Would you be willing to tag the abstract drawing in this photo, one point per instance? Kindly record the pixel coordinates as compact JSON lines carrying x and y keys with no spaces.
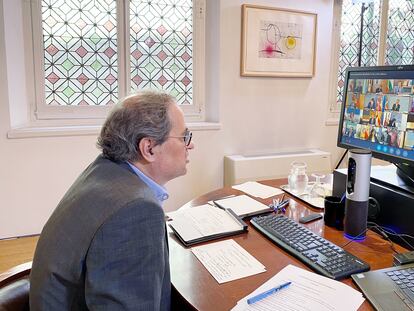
{"x":280,"y":40}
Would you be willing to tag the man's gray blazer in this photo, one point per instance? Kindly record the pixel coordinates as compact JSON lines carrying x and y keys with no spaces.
{"x":104,"y":247}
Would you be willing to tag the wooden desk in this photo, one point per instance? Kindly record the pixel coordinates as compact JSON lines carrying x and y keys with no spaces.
{"x":202,"y":292}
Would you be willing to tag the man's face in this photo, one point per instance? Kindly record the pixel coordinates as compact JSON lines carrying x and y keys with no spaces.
{"x":172,"y":155}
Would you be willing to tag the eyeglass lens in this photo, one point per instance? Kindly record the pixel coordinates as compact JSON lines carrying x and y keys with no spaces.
{"x":187,"y":138}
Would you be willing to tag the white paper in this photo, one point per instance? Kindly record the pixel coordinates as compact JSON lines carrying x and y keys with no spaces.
{"x":204,"y":220}
{"x":308,"y":292}
{"x":243,"y":205}
{"x":258,"y":190}
{"x":227,"y":261}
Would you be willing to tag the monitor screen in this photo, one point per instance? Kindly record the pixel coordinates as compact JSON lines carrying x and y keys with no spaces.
{"x":378,"y":112}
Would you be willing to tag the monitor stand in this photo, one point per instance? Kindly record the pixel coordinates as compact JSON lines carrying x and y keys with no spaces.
{"x":395,"y":197}
{"x":406,"y":173}
{"x":392,"y":176}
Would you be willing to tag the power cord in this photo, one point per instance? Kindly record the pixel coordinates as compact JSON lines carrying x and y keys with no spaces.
{"x":384,"y":235}
{"x":393,"y":233}
{"x":355,"y":238}
{"x":342,"y":158}
{"x":383,"y":232}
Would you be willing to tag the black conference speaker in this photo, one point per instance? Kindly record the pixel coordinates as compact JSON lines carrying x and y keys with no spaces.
{"x":357,"y":193}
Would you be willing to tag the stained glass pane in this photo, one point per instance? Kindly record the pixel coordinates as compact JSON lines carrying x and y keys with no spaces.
{"x":400,"y":33}
{"x":80,"y":52}
{"x":350,"y":38}
{"x":161,"y":47}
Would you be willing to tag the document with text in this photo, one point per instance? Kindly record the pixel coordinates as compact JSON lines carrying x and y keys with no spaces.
{"x":227,"y":261}
{"x":243,"y":205}
{"x":308,"y":291}
{"x":259,"y":190}
{"x":203,"y":223}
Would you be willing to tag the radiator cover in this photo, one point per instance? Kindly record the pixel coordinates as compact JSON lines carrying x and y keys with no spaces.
{"x":242,"y":168}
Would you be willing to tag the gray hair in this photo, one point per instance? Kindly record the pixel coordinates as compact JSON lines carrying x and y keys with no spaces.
{"x":143,"y":114}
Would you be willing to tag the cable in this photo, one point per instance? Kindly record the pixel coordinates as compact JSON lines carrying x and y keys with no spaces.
{"x":381,"y":233}
{"x":384,"y":235}
{"x":392,"y":232}
{"x":340,"y":161}
{"x":355,"y":238}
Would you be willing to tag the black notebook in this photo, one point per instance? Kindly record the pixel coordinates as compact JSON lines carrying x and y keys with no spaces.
{"x":204,"y":223}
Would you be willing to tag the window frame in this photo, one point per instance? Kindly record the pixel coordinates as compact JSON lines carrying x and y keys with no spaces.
{"x":89,"y":115}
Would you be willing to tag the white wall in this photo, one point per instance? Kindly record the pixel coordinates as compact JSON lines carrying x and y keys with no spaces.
{"x":257,"y":115}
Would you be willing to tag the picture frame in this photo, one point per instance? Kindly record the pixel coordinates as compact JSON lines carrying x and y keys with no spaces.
{"x":277,"y":42}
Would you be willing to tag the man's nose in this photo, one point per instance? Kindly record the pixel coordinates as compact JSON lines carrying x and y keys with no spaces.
{"x":190,"y":146}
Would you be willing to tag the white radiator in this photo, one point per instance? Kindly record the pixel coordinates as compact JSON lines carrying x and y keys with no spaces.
{"x":239,"y":168}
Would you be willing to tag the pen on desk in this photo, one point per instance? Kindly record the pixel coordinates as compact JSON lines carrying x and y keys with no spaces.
{"x":283,"y":204}
{"x":218,"y":204}
{"x":267,"y":293}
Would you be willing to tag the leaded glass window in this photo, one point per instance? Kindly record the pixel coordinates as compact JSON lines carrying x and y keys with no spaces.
{"x":80,"y":52}
{"x":95,"y":52}
{"x":400,"y":33}
{"x":161,"y":46}
{"x":389,"y":43}
{"x":350,"y":38}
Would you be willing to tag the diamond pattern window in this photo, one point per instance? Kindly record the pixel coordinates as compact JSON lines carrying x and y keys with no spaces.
{"x":80,"y":52}
{"x":400,"y":33}
{"x":161,"y":46}
{"x":387,"y":36}
{"x":92,"y":53}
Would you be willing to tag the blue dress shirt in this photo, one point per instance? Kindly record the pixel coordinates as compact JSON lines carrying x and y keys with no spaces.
{"x":160,"y":192}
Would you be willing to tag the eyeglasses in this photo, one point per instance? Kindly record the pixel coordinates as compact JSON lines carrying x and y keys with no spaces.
{"x":187,"y":137}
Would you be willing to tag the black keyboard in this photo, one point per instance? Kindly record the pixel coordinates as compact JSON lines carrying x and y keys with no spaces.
{"x":321,"y":255}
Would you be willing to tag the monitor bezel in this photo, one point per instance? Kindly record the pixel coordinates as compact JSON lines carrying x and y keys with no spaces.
{"x":376,"y":154}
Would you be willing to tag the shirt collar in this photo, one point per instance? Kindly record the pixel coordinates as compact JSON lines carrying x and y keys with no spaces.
{"x":159,"y":191}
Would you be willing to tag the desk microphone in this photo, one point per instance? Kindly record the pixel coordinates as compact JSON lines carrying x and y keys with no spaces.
{"x":357,"y":193}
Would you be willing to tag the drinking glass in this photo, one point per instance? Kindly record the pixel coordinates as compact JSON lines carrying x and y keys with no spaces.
{"x":298,"y":180}
{"x":318,"y":190}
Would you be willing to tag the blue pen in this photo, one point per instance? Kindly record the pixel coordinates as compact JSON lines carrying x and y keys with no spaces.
{"x":267,"y":293}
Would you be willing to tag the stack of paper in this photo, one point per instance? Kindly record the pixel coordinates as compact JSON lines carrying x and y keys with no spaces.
{"x":227,"y":261}
{"x":307,"y":292}
{"x":258,"y":190}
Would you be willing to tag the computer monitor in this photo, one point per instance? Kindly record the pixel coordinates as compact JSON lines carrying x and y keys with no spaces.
{"x":378,"y":114}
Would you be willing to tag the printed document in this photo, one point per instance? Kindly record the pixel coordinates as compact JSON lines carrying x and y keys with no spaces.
{"x":203,"y":221}
{"x":243,"y":205}
{"x":307,"y":292}
{"x":227,"y":261}
{"x":258,"y":190}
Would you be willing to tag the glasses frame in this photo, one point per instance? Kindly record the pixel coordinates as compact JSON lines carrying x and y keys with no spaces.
{"x":187,"y":137}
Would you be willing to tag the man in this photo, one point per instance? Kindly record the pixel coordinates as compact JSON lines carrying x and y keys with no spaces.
{"x":105,"y":246}
{"x":358,"y":88}
{"x":396,"y":106}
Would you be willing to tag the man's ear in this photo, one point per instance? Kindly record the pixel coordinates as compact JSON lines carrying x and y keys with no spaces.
{"x":145,"y":146}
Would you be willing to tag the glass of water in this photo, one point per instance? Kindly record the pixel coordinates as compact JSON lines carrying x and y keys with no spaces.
{"x":298,"y":180}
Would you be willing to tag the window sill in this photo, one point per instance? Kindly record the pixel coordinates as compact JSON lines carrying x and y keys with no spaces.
{"x":53,"y":131}
{"x":84,"y":130}
{"x":203,"y":126}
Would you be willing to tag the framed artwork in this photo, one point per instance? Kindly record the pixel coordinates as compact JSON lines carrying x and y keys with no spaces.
{"x":277,"y":42}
